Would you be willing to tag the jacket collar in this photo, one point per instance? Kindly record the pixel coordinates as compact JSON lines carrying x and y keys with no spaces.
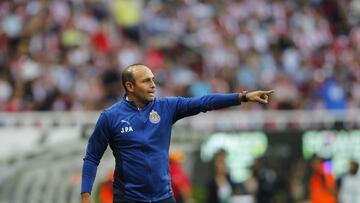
{"x":132,"y":105}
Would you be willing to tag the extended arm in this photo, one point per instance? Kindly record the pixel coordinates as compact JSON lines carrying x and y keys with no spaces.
{"x":191,"y":106}
{"x":95,"y":149}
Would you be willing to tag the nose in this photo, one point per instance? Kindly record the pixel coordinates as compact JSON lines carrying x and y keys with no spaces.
{"x":152,"y":85}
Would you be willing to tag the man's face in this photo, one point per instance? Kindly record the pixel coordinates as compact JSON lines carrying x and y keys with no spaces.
{"x":144,"y":87}
{"x":353,"y":168}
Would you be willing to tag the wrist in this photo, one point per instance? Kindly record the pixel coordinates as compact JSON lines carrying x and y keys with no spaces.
{"x":243,"y":96}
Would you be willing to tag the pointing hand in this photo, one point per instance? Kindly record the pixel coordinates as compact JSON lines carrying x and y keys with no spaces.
{"x":259,"y":96}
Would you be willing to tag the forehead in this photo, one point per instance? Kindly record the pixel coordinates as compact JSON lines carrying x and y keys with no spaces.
{"x":142,"y":72}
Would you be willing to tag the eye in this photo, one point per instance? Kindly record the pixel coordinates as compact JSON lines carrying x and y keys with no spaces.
{"x":146,"y":80}
{"x":149,"y":80}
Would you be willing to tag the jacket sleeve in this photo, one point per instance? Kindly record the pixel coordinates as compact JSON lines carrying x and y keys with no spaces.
{"x":184,"y":107}
{"x":96,"y":147}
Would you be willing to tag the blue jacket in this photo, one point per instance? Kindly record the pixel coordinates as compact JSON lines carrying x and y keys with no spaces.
{"x":139,"y":140}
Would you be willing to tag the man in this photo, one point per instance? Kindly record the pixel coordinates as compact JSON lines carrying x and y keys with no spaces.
{"x":180,"y":183}
{"x":220,"y":187}
{"x":322,"y":184}
{"x":349,"y":191}
{"x":138,"y":130}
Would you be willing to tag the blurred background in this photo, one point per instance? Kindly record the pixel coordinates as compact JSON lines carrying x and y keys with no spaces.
{"x":59,"y":67}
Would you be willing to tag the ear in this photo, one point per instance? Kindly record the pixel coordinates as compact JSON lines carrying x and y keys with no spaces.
{"x":129,"y":86}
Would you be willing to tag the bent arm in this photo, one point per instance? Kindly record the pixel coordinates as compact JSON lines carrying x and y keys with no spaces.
{"x":96,"y":147}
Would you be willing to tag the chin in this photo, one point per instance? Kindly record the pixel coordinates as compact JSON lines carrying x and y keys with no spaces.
{"x":149,"y":99}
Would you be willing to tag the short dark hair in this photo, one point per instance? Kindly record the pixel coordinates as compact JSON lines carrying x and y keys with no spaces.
{"x":128,"y":76}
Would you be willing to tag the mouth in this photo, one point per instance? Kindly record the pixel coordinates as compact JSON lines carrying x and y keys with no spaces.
{"x":152,"y":94}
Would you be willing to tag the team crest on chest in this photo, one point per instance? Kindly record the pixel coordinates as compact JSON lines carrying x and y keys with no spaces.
{"x":154,"y":117}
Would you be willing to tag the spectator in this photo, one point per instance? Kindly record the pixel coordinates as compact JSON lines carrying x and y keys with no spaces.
{"x":322,"y":183}
{"x":180,"y":182}
{"x":105,"y":189}
{"x":220,"y":187}
{"x":266,"y":182}
{"x":195,"y":47}
{"x":349,"y":190}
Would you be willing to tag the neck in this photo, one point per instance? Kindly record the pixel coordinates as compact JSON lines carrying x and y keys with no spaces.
{"x":139,"y":104}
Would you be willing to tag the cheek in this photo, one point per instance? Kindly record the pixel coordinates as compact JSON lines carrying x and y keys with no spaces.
{"x":141,"y":90}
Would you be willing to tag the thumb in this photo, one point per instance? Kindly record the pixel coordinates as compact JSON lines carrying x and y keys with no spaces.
{"x":263,"y":101}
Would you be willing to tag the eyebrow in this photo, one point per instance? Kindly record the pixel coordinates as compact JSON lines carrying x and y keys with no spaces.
{"x":149,"y":78}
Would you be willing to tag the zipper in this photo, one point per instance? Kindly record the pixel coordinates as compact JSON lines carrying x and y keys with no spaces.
{"x":151,"y":192}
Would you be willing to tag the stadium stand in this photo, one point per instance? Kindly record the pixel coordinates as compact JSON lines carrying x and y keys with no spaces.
{"x":65,"y":55}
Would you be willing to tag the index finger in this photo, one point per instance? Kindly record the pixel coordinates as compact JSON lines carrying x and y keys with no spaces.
{"x":268,"y":91}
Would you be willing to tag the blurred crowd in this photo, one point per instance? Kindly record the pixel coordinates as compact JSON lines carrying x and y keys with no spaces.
{"x":66,"y":55}
{"x":311,"y":181}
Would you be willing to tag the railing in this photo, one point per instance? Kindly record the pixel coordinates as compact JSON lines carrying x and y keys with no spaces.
{"x":34,"y":131}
